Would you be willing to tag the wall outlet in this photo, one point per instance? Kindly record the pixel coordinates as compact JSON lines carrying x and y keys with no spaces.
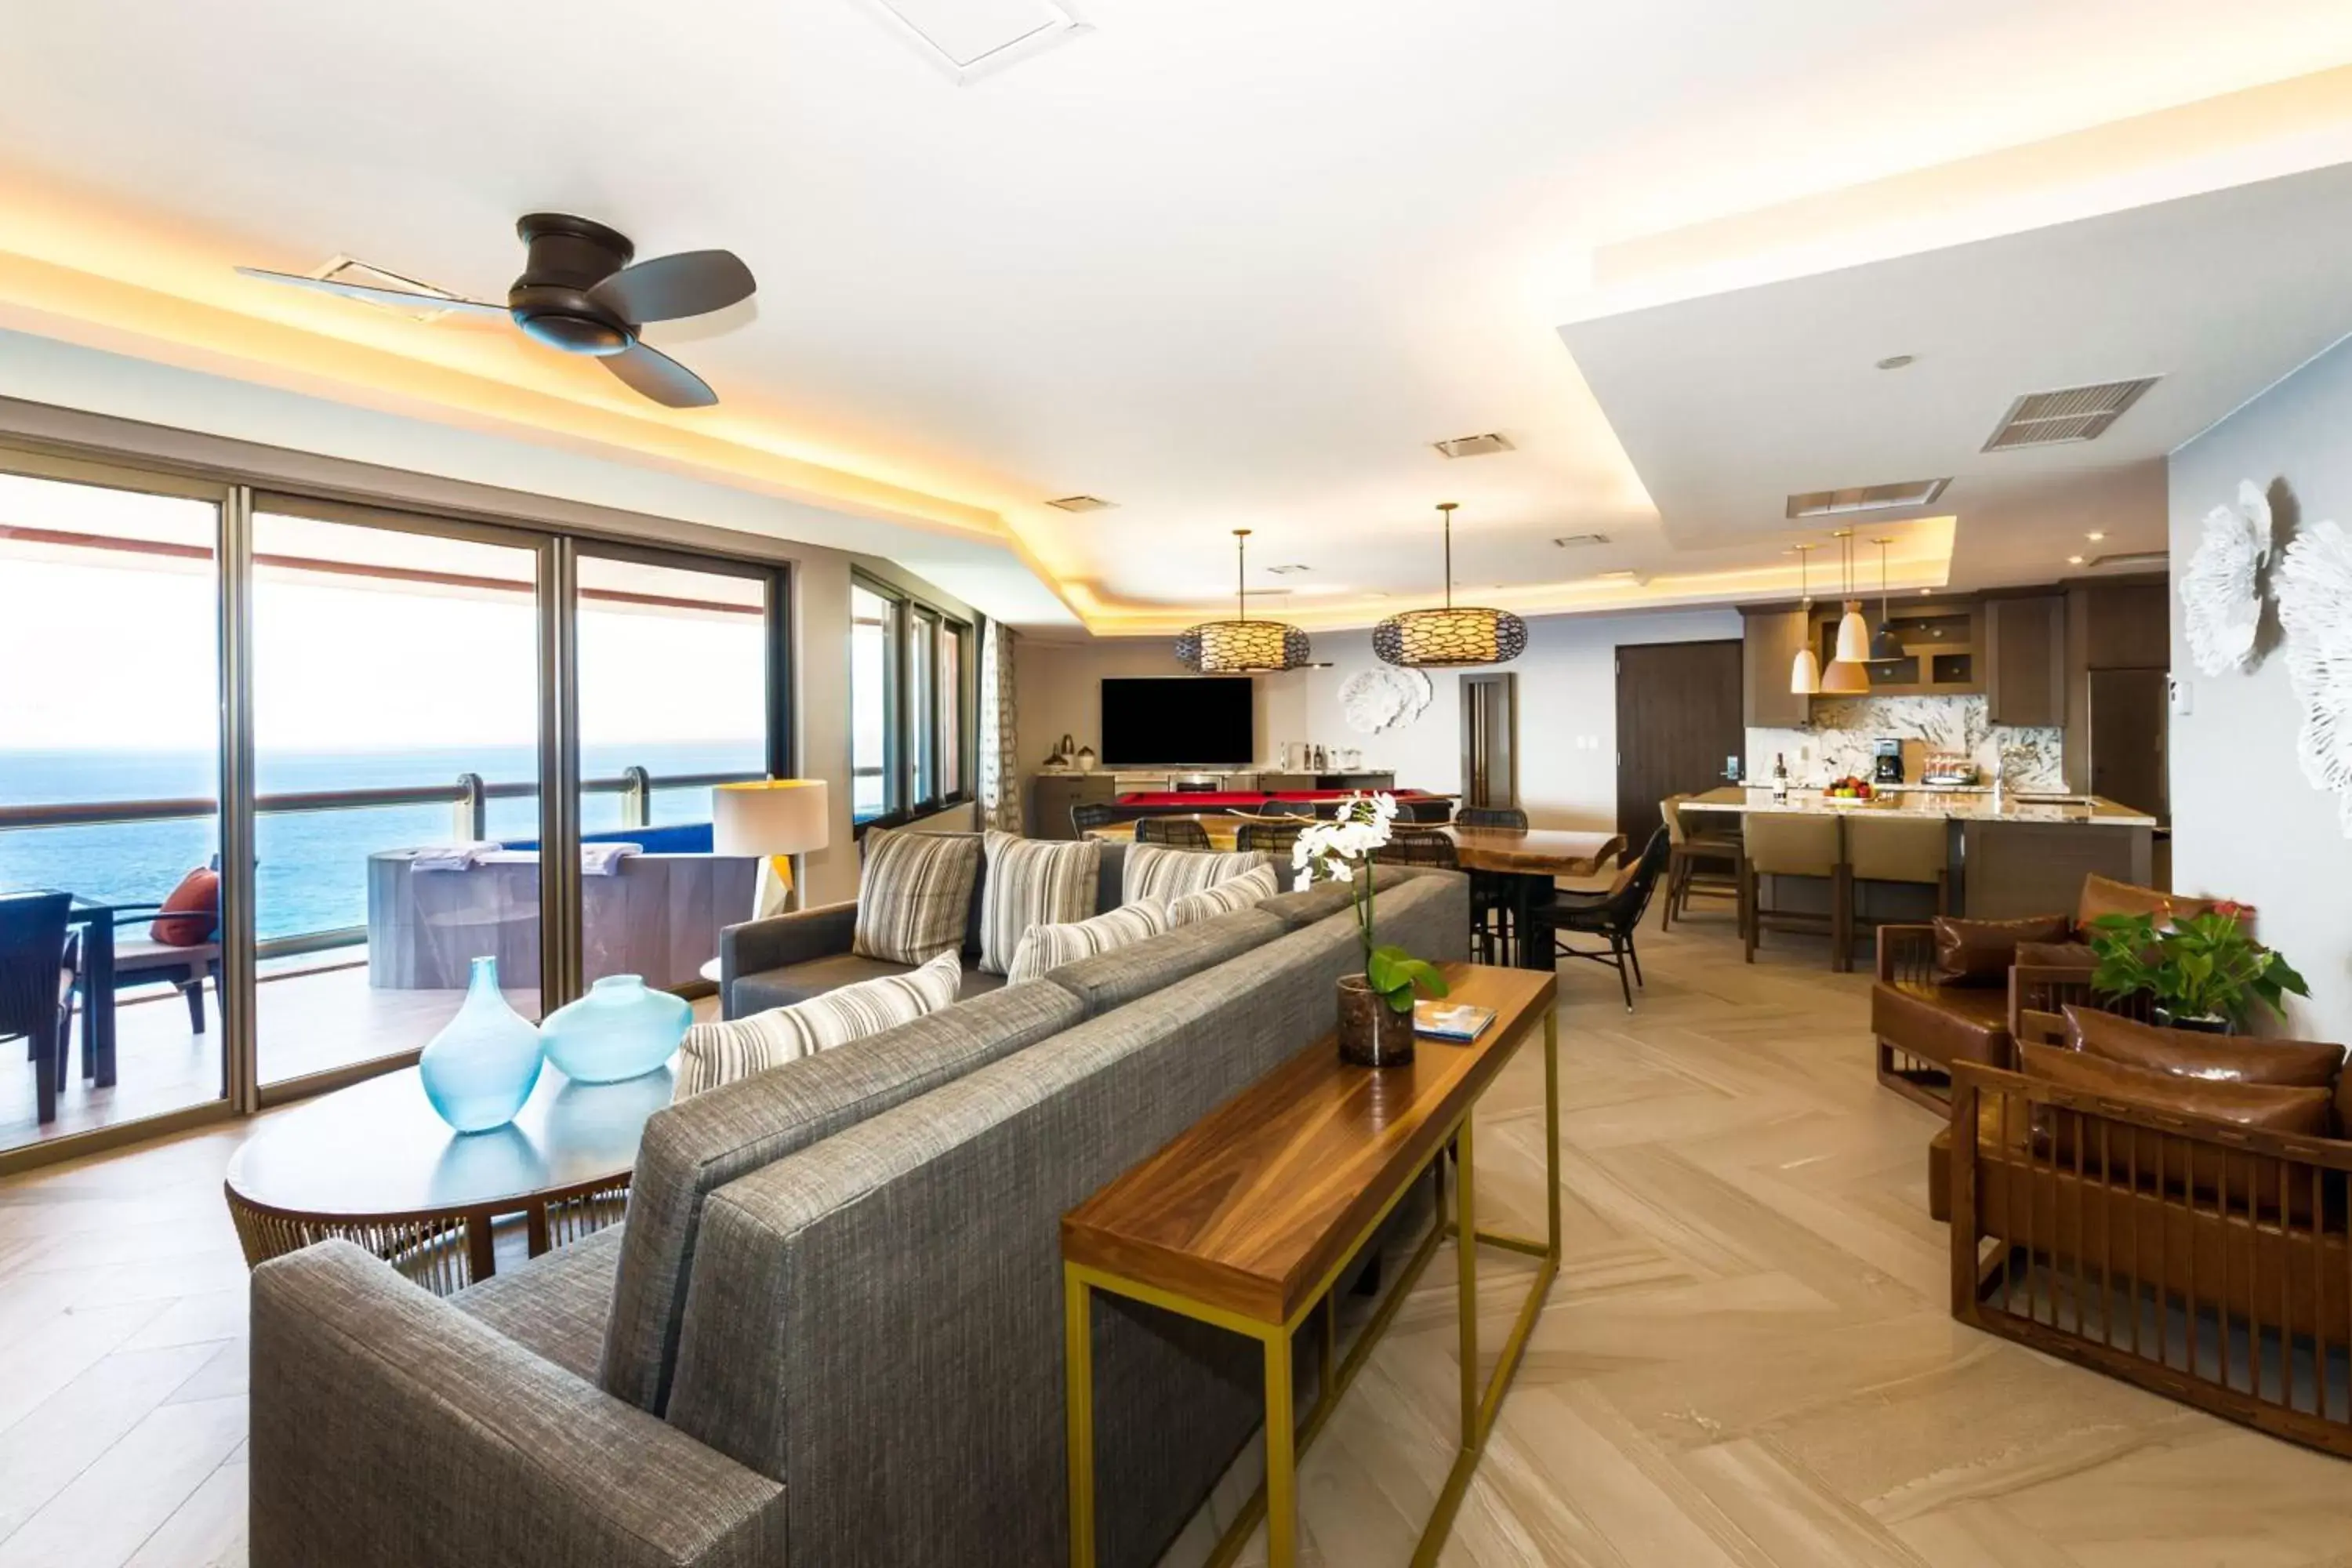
{"x":2183,"y":693}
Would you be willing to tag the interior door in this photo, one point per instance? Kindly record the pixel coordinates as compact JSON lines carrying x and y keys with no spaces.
{"x":2128,"y":722}
{"x":1679,"y":727}
{"x":1490,"y":768}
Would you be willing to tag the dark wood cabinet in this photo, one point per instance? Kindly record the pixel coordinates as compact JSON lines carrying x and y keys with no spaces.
{"x":1771,"y":645}
{"x":2025,"y":659}
{"x":1051,"y":795}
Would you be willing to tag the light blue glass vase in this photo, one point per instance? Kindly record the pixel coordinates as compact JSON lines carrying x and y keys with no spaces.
{"x":484,"y":1063}
{"x":622,"y":1028}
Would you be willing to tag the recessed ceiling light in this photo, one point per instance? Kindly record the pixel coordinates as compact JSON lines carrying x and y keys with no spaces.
{"x":1924,"y":592}
{"x":1896,"y":362}
{"x":2073,"y":560}
{"x":2095,"y":536}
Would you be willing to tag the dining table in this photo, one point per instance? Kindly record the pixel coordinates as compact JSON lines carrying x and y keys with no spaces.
{"x":1524,"y":861}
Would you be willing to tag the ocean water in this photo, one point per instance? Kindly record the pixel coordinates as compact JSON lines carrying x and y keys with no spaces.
{"x":310,"y":873}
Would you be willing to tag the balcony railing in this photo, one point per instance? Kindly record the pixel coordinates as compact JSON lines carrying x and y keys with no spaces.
{"x":467,"y":796}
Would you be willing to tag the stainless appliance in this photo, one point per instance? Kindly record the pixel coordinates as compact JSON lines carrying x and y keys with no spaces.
{"x":1886,"y":762}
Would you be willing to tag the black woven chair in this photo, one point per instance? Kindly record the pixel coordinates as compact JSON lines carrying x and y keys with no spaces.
{"x":1490,"y":895}
{"x":1178,"y":831}
{"x":1274,"y":838}
{"x":1613,"y":914}
{"x":1413,"y":847}
{"x":35,"y":988}
{"x":1288,"y":809}
{"x":1085,"y":818}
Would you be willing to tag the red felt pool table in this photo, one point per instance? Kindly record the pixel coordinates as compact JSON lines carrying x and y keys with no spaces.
{"x":1254,"y":800}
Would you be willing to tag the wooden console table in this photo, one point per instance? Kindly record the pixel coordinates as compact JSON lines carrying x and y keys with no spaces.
{"x":1249,"y":1217}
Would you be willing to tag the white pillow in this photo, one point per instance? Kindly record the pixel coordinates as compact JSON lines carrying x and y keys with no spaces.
{"x":1047,"y":948}
{"x":1032,"y":882}
{"x":1157,"y":872}
{"x":1232,"y":893}
{"x":713,"y":1054}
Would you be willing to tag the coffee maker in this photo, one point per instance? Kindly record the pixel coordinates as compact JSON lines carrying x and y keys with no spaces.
{"x":1886,"y":762}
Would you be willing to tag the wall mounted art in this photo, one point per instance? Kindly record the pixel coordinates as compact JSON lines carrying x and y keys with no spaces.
{"x":1376,"y":699}
{"x":2315,"y":590}
{"x":2221,"y":590}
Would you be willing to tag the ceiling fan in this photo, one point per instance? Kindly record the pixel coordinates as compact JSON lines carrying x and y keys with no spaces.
{"x":579,"y":293}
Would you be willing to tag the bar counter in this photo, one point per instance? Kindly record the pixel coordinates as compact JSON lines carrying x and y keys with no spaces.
{"x":2021,"y":853}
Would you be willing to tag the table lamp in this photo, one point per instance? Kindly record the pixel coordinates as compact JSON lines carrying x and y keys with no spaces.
{"x":772,"y":820}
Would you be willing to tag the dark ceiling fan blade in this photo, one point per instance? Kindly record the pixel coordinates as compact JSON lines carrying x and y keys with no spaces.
{"x":691,"y":283}
{"x":404,"y":298}
{"x":659,"y":377}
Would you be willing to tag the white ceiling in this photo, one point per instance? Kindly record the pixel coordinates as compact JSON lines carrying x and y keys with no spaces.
{"x":1224,"y":262}
{"x":1728,"y":404}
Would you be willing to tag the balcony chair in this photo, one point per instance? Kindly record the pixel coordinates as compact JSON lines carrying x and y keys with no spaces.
{"x":1614,"y":913}
{"x":37,"y":970}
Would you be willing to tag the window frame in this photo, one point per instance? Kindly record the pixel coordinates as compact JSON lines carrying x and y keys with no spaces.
{"x":909,"y":737}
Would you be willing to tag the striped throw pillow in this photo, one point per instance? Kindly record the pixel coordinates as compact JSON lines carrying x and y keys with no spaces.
{"x":713,"y":1054}
{"x":1232,"y":893}
{"x":1032,"y":882}
{"x":1164,"y":875}
{"x":914,"y":895}
{"x":1047,"y":947}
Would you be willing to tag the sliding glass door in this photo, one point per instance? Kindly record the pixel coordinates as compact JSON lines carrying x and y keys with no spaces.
{"x":395,"y":736}
{"x":110,"y":771}
{"x":675,"y":696}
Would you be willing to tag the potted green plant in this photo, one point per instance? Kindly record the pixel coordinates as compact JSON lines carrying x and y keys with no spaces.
{"x":2202,"y":972}
{"x":1375,"y":1007}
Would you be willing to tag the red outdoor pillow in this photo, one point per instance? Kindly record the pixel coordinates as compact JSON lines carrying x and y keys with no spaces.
{"x":192,"y":913}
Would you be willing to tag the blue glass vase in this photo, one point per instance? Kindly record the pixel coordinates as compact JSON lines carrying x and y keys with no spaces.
{"x":484,"y":1063}
{"x":622,"y":1028}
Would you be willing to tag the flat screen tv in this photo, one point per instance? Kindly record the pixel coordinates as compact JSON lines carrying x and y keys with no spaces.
{"x":1204,"y":720}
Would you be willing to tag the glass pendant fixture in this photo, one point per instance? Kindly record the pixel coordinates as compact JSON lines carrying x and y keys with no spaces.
{"x":1454,"y":635}
{"x":1805,"y":669}
{"x":1854,"y":632}
{"x":1242,"y":646}
{"x":1883,"y":643}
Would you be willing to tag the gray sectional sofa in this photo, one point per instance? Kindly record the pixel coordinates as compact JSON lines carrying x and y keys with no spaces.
{"x":829,"y":1331}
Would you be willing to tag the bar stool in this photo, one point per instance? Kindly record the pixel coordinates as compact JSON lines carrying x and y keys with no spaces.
{"x":1893,"y":848}
{"x":1703,"y":862}
{"x":1786,"y":845}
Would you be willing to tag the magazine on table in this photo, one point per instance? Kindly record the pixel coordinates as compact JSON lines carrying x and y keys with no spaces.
{"x":1457,"y":1021}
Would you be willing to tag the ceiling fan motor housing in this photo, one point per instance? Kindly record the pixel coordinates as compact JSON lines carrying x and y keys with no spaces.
{"x":568,"y":257}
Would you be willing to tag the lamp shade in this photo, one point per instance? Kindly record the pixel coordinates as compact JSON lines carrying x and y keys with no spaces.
{"x":1853,"y":635}
{"x":1459,"y":634}
{"x":768,"y":817}
{"x":1239,"y":647}
{"x":1805,"y":673}
{"x":1846,"y":677}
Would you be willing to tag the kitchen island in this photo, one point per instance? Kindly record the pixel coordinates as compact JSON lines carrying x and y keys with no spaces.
{"x":2012,"y":854}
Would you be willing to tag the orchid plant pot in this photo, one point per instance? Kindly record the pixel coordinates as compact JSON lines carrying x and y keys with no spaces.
{"x":1371,"y":1033}
{"x":2203,"y":1023}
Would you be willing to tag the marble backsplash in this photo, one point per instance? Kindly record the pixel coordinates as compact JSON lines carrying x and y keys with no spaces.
{"x":1838,"y":740}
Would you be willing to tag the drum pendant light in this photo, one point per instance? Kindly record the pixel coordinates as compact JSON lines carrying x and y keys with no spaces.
{"x":1242,"y":646}
{"x":1883,"y":643}
{"x":1805,"y":669}
{"x":1453,"y":636}
{"x":1854,"y":632}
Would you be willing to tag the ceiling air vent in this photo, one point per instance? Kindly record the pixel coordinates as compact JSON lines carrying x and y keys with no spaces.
{"x":1867,"y":498}
{"x":1083,"y":503}
{"x":970,"y":39}
{"x":1472,"y":445}
{"x":2069,"y":414}
{"x":1580,"y":541}
{"x":2132,"y":561}
{"x":350,"y":270}
{"x":1289,"y":568}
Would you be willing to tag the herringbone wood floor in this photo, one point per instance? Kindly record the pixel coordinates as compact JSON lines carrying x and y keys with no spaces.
{"x":1746,"y":1359}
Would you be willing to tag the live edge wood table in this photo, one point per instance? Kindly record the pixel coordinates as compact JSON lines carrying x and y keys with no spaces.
{"x":1247,"y":1220}
{"x":374,"y":1163}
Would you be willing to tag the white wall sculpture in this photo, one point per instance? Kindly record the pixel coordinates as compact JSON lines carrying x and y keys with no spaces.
{"x":1372,"y":701}
{"x":2314,"y":589}
{"x":2221,"y":590}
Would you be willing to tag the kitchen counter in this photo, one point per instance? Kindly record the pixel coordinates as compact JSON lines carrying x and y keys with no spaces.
{"x":2026,"y":856}
{"x":1953,"y":805}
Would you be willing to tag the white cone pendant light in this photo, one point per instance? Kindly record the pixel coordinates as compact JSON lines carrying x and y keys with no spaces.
{"x":1854,"y":632}
{"x":1805,"y":669}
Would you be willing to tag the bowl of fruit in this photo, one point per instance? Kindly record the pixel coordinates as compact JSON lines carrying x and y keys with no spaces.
{"x":1853,"y":788}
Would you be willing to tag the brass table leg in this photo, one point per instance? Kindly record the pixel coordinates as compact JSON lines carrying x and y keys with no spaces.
{"x":1079,"y":1354}
{"x":1281,"y":1456}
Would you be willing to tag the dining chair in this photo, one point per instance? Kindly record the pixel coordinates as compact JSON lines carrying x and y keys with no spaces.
{"x":1178,"y":831}
{"x":36,"y":973}
{"x":1490,"y":895}
{"x":1785,"y":846}
{"x":1274,"y":838}
{"x":1614,"y":913}
{"x":1701,"y":861}
{"x":1085,"y":818}
{"x":1418,"y":846}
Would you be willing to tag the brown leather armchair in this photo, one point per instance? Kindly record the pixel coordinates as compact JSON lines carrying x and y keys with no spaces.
{"x":2204,"y":1259}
